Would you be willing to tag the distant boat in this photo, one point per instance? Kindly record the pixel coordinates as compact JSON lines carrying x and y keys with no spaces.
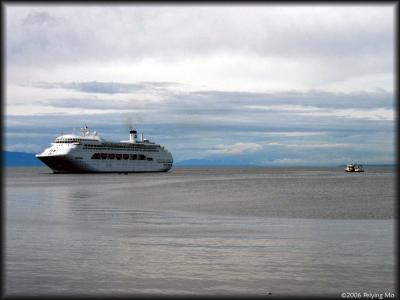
{"x":354,"y":168}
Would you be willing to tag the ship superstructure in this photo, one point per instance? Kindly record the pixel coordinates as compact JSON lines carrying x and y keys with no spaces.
{"x":88,"y":152}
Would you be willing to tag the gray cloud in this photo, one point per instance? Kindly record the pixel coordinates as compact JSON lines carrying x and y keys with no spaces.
{"x":309,"y":98}
{"x":93,"y":104}
{"x":299,"y":110}
{"x":205,"y":102}
{"x":208,"y":124}
{"x":40,"y":18}
{"x":23,"y":147}
{"x":347,"y":37}
{"x":97,"y":87}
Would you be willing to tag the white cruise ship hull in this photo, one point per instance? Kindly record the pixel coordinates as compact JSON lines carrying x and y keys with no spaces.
{"x":71,"y":164}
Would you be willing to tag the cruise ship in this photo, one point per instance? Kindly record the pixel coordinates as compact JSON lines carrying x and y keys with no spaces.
{"x":89,"y":153}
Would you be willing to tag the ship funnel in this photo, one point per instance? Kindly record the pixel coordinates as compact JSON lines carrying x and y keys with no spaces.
{"x":132,"y":136}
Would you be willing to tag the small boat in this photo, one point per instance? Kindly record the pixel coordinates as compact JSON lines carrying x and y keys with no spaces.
{"x":349,"y":168}
{"x":354,"y":168}
{"x":358,"y":168}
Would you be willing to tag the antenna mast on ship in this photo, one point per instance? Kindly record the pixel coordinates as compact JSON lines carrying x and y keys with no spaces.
{"x":85,"y":130}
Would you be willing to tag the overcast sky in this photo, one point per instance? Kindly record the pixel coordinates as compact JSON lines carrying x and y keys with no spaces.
{"x":261,"y":84}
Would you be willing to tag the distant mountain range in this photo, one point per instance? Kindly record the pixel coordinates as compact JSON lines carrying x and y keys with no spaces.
{"x":21,"y":159}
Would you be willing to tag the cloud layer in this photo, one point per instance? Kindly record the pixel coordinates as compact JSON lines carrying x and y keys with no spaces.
{"x":275,"y":128}
{"x":265,"y":84}
{"x":236,"y":148}
{"x":254,"y":46}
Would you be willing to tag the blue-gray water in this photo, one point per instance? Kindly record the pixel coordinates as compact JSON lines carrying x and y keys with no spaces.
{"x":218,"y":231}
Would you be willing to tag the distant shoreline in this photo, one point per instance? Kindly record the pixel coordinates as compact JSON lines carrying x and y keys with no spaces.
{"x":233,"y":167}
{"x":24,"y":159}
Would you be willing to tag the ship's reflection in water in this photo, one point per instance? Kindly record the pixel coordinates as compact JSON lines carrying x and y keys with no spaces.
{"x":196,"y":232}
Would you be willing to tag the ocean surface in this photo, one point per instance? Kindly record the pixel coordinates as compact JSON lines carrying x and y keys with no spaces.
{"x":200,"y":231}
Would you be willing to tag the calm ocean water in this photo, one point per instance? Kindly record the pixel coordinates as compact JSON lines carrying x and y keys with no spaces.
{"x":249,"y":231}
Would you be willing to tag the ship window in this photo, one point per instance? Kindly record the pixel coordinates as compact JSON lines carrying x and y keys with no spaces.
{"x":103,"y":155}
{"x":142,"y":157}
{"x":111,"y":155}
{"x":149,"y":158}
{"x":118,"y":156}
{"x":133,"y":156}
{"x":96,"y":156}
{"x":125,"y":156}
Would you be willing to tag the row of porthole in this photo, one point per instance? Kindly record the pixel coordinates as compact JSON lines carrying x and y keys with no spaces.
{"x":121,"y":146}
{"x":120,"y":156}
{"x":67,"y":141}
{"x":100,"y":148}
